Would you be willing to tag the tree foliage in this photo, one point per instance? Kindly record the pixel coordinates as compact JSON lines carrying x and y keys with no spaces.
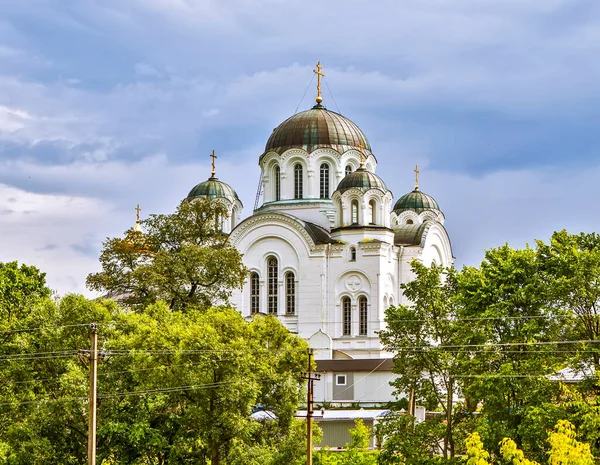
{"x":502,"y":332}
{"x":176,"y":387}
{"x":182,"y":258}
{"x":419,"y":335}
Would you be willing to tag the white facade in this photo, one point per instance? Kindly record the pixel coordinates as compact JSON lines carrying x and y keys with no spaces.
{"x":327,"y":253}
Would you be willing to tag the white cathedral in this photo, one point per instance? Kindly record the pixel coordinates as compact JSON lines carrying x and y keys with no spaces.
{"x":327,"y":249}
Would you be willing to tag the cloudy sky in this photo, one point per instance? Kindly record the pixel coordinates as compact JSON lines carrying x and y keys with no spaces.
{"x":107,"y":103}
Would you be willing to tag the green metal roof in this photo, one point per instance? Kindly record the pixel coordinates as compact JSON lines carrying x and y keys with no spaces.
{"x":213,"y":189}
{"x":316,"y":128}
{"x":409,"y":234}
{"x":362,"y":179}
{"x":416,"y":201}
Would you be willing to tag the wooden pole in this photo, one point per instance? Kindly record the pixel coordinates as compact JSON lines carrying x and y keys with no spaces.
{"x":309,"y":411}
{"x":93,"y":394}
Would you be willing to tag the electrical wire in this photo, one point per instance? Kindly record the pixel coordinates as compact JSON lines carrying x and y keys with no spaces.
{"x":304,"y":95}
{"x":332,"y":98}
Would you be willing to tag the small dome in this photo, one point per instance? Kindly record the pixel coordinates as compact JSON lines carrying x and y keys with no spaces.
{"x":416,"y":201}
{"x":362,"y":179}
{"x":213,"y":189}
{"x":316,"y":128}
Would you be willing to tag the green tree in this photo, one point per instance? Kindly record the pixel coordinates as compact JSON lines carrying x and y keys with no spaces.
{"x":509,"y":335}
{"x":422,"y":336}
{"x":177,"y":387}
{"x":20,"y":287}
{"x":182,"y":258}
{"x":571,"y":263}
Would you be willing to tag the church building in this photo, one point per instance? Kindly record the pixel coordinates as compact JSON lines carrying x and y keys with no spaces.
{"x":327,"y":248}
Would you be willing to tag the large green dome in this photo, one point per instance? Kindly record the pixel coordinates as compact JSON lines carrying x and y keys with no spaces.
{"x":317,"y":128}
{"x":213,"y":189}
{"x":362,"y":179}
{"x":416,"y":201}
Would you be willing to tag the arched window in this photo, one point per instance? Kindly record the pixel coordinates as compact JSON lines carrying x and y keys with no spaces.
{"x":233,"y":217}
{"x":272,"y":285}
{"x":363,"y":321}
{"x":409,"y":221}
{"x":254,"y":293}
{"x":324,"y":181}
{"x":290,"y":293}
{"x":298,"y":181}
{"x":352,"y":254}
{"x":373,"y":206}
{"x":348,"y":170}
{"x":346,"y":317}
{"x":277,"y":175}
{"x":354,"y":211}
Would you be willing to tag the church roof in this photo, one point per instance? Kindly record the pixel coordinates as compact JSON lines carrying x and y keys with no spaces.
{"x":212,"y":188}
{"x":409,"y":234}
{"x":316,"y":128}
{"x":362,"y":179}
{"x":416,"y":201}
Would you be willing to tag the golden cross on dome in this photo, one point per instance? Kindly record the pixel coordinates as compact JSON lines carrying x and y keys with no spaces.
{"x":361,"y":146}
{"x":137,"y":213}
{"x":319,"y":74}
{"x":416,"y":170}
{"x":213,"y":156}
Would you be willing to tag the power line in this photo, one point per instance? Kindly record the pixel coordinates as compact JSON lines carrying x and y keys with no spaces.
{"x":501,"y":344}
{"x":121,"y":394}
{"x":39,"y":328}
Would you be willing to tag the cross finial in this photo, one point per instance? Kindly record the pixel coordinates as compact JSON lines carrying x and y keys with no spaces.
{"x":137,"y":213}
{"x":416,"y":170}
{"x":213,"y":156}
{"x":319,"y":74}
{"x":361,"y":146}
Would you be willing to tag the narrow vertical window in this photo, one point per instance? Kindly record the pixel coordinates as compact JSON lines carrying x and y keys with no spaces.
{"x":272,"y":285}
{"x":362,"y":316}
{"x":277,"y":183}
{"x":324,"y":181}
{"x":346,"y":317}
{"x":352,"y":254}
{"x":354,"y":209}
{"x":298,"y":181}
{"x":348,"y":170}
{"x":373,"y":206}
{"x":290,"y":293}
{"x":254,"y":293}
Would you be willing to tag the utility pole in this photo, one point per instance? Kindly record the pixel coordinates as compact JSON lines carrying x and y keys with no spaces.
{"x":92,"y":356}
{"x":311,"y":377}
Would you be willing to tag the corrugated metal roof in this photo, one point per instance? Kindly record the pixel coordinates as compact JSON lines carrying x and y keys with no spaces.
{"x":212,"y":188}
{"x":356,"y":364}
{"x":338,"y":415}
{"x":361,"y":179}
{"x":416,"y":201}
{"x":316,"y":128}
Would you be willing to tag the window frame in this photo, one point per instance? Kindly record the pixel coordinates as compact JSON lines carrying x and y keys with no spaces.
{"x":298,"y":181}
{"x":290,"y":293}
{"x":254,"y":293}
{"x":346,"y":316}
{"x":277,"y":182}
{"x":324,"y":170}
{"x":272,"y":285}
{"x":363,"y":316}
{"x":354,"y":210}
{"x":337,"y":379}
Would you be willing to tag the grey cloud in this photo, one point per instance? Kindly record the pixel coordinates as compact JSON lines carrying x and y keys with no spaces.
{"x":48,"y":247}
